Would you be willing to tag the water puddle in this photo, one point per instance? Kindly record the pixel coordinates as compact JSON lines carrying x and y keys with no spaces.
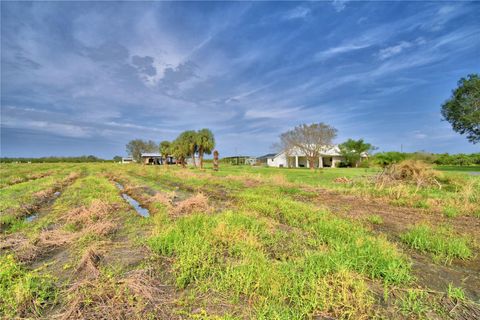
{"x":134,"y":203}
{"x":119,"y":186}
{"x":31,"y":217}
{"x":34,"y":216}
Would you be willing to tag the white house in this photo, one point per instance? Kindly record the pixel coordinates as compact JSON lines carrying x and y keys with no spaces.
{"x":127,"y":160}
{"x":329,"y":157}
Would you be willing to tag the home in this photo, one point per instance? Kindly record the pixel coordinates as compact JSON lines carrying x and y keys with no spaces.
{"x":264,"y":159}
{"x":330,"y":156}
{"x":156,"y":158}
{"x":151,"y":158}
{"x":127,"y":160}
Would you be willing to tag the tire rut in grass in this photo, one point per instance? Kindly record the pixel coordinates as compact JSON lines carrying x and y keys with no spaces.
{"x":43,"y":200}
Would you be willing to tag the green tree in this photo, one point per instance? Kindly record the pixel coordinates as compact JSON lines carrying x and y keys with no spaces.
{"x":352,"y":151}
{"x":117,"y":159}
{"x":387,"y":158}
{"x":462,"y":110}
{"x":136,"y":147}
{"x":180,"y":150}
{"x":205,"y":143}
{"x":165,"y":150}
{"x":189,"y":140}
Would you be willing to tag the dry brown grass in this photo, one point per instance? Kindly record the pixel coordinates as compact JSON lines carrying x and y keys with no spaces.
{"x":136,"y":296}
{"x":342,"y":180}
{"x":279,"y":179}
{"x":12,"y":241}
{"x":88,"y":266}
{"x":28,"y":250}
{"x":196,"y":203}
{"x":72,"y":176}
{"x":98,"y":210}
{"x":163,"y":198}
{"x":92,"y":220}
{"x":101,"y":228}
{"x":413,"y":172}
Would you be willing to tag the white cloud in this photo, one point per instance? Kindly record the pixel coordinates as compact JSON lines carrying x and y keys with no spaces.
{"x":339,"y":5}
{"x":442,"y":17}
{"x":60,"y":129}
{"x":393,"y":50}
{"x":331,"y":52}
{"x":297,"y":13}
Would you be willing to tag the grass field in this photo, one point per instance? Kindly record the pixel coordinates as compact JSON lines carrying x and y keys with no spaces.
{"x":240,"y":243}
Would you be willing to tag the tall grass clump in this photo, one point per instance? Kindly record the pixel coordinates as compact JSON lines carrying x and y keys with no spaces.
{"x":441,"y":242}
{"x":22,"y":292}
{"x":413,"y":172}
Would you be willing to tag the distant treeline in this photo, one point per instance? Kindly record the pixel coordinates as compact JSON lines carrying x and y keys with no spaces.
{"x":54,"y":159}
{"x":461,"y":159}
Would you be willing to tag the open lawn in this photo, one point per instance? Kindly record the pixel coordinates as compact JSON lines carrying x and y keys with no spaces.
{"x":241,"y":243}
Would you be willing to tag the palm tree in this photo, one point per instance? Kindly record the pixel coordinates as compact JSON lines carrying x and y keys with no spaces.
{"x":189,"y":139}
{"x":165,"y":151}
{"x":179,"y":149}
{"x":205,"y":143}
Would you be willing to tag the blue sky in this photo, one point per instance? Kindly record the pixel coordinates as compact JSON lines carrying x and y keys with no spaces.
{"x":85,"y":78}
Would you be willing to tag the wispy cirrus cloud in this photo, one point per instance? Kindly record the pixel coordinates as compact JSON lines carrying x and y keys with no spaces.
{"x":297,"y":13}
{"x":247,"y":71}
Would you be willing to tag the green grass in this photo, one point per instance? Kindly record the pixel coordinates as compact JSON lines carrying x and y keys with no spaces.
{"x":458,"y":168}
{"x":455,"y":293}
{"x":242,"y":253}
{"x":375,"y":219}
{"x":22,"y":291}
{"x":440,"y":242}
{"x":414,"y":303}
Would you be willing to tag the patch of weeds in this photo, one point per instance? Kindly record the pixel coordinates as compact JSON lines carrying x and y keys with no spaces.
{"x":421,"y":204}
{"x":71,"y":227}
{"x":441,"y":242}
{"x":402,"y":202}
{"x":375,"y":219}
{"x":414,"y":303}
{"x":240,"y":254}
{"x":455,"y":293}
{"x":23,"y":292}
{"x":450,"y":212}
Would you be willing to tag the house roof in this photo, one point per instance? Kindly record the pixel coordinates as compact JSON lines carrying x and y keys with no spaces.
{"x":150,"y":154}
{"x":266,"y":156}
{"x":325,"y":151}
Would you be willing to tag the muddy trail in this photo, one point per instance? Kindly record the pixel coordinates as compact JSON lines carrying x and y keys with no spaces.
{"x":178,"y":197}
{"x":43,"y":201}
{"x":215,"y":191}
{"x":397,"y":220}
